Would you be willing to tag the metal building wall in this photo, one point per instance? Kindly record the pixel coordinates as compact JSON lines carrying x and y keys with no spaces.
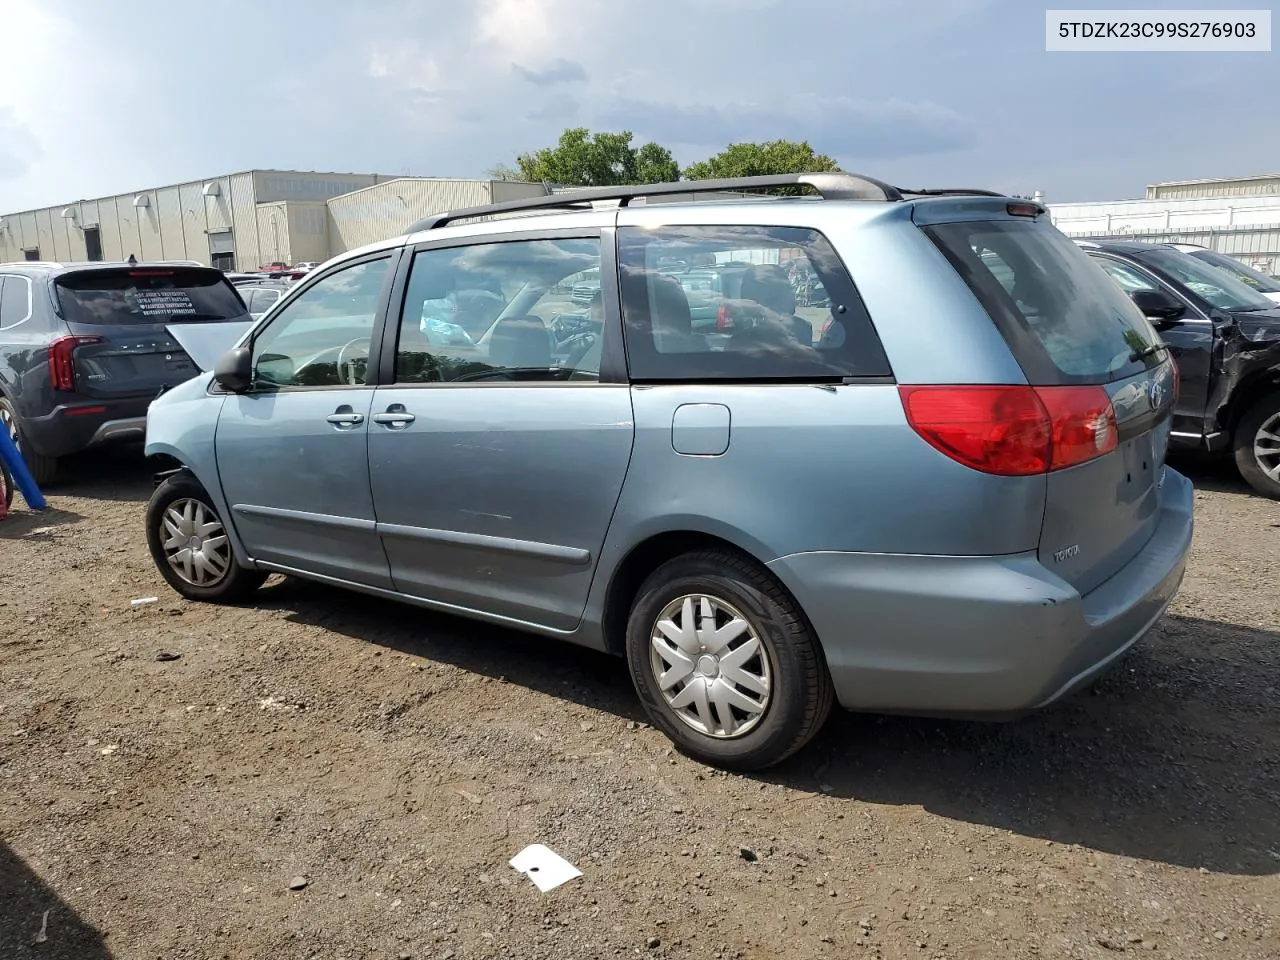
{"x":386,"y":210}
{"x":273,"y":233}
{"x":244,"y":221}
{"x":166,"y":204}
{"x":302,"y":185}
{"x":308,"y":231}
{"x":1264,"y":186}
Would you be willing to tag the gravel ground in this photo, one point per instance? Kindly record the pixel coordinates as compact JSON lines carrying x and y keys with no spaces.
{"x":168,"y":772}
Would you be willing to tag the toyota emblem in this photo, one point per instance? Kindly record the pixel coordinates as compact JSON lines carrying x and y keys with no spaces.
{"x":1155,"y":393}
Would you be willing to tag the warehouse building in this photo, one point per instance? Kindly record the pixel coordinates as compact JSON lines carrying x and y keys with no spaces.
{"x":1236,"y":216}
{"x":241,"y":221}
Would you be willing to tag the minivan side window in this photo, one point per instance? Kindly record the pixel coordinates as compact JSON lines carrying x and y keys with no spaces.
{"x":519,"y":310}
{"x":15,"y":301}
{"x":747,"y":303}
{"x":322,"y":338}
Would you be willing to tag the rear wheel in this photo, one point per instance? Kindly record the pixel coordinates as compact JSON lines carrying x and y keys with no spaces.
{"x":190,"y":546}
{"x":1257,"y":446}
{"x":44,"y":470}
{"x":724,"y":662}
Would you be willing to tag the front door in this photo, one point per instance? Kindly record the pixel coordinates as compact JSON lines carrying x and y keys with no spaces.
{"x":292,"y":452}
{"x":496,"y":452}
{"x":1190,"y":341}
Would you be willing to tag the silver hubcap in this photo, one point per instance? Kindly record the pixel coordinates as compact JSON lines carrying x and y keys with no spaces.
{"x":712,"y":668}
{"x":195,"y":543}
{"x":1266,"y":447}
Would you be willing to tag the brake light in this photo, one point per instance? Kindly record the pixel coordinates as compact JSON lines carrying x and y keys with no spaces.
{"x":723,"y":320}
{"x":62,"y":368}
{"x":1023,"y":209}
{"x":1013,"y":431}
{"x":151,"y":273}
{"x":1177,"y":379}
{"x":1083,"y":423}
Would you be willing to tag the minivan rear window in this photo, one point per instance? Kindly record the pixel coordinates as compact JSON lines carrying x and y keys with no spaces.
{"x":1064,"y":319}
{"x":148,"y":295}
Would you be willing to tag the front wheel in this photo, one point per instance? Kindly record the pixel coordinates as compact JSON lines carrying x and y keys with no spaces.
{"x":1257,"y":446}
{"x":724,"y":662}
{"x":190,"y":547}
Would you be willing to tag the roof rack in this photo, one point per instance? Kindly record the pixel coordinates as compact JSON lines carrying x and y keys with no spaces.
{"x":950,"y":192}
{"x":831,"y":186}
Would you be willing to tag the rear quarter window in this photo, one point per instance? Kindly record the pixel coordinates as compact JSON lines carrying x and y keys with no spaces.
{"x":148,"y":295}
{"x":733,"y":303}
{"x":1063,"y":318}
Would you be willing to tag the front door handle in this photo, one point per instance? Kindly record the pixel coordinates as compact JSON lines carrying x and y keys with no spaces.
{"x":396,"y":417}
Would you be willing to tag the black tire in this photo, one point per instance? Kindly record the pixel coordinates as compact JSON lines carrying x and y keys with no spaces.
{"x":235,"y":584}
{"x":44,"y":470}
{"x":800,"y":690}
{"x":1243,"y":441}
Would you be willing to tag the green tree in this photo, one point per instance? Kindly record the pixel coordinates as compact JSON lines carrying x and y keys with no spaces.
{"x":503,"y":171}
{"x":585,"y":159}
{"x":763,"y":159}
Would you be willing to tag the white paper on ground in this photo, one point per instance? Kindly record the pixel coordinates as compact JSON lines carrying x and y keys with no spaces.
{"x":544,"y":867}
{"x":142,"y":600}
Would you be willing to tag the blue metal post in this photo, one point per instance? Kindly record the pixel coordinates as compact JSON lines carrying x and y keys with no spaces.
{"x":21,"y":475}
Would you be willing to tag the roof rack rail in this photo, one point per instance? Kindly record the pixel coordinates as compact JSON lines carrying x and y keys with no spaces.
{"x":950,"y":192}
{"x":831,"y":186}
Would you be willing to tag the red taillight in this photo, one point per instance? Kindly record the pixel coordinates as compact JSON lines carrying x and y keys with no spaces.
{"x":151,"y":273}
{"x":1084,"y":423}
{"x":1177,"y":380}
{"x":81,"y":411}
{"x":723,"y":320}
{"x":1013,"y":431}
{"x":62,"y":368}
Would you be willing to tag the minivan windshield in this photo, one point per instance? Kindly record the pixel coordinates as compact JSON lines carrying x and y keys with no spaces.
{"x":1063,"y":318}
{"x":1245,"y":274}
{"x":1211,"y":284}
{"x":148,"y":295}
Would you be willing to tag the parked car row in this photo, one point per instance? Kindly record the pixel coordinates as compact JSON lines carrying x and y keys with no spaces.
{"x":985,"y":449}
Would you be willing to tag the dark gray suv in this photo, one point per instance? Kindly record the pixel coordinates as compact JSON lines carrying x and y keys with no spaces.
{"x":85,"y":348}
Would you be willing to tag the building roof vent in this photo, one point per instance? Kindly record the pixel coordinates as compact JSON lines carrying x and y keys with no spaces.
{"x":142,"y":200}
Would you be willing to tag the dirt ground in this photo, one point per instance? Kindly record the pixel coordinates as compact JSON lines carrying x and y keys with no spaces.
{"x":168,"y":770}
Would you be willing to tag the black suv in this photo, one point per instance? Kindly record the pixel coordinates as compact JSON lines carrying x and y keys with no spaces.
{"x":84,"y":349}
{"x":1225,"y":337}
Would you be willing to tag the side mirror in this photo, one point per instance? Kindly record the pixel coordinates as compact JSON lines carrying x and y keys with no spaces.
{"x":1158,"y":307}
{"x":234,"y":370}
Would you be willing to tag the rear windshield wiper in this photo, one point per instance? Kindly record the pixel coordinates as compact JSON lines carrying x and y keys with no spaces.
{"x":1145,"y":352}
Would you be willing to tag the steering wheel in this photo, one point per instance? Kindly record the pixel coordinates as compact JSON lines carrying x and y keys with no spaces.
{"x":350,"y":377}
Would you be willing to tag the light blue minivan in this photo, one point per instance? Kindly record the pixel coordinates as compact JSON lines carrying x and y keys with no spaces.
{"x":942,"y":491}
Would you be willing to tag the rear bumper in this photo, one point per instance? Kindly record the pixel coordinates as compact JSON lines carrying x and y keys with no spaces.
{"x":981,"y":636}
{"x":64,"y":431}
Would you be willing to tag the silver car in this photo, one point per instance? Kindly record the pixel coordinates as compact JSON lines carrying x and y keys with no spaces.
{"x":942,"y":491}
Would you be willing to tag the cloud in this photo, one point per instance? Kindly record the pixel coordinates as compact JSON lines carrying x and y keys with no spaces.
{"x":834,"y":125}
{"x":559,"y":70}
{"x":561,"y":108}
{"x":19,"y":148}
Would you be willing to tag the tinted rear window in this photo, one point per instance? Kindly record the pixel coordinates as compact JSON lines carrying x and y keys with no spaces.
{"x":1064,"y":319}
{"x":148,"y":296}
{"x":1242,"y":272}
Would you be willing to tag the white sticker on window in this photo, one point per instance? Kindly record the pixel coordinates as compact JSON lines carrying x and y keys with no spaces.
{"x":164,"y":303}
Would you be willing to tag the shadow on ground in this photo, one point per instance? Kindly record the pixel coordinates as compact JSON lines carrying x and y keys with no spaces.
{"x":24,"y":900}
{"x":1174,"y":757}
{"x":111,"y":473}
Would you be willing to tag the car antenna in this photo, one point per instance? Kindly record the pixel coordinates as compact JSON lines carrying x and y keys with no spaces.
{"x":133,"y":261}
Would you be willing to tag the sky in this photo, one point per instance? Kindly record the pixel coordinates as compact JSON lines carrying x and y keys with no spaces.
{"x":105,"y":98}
